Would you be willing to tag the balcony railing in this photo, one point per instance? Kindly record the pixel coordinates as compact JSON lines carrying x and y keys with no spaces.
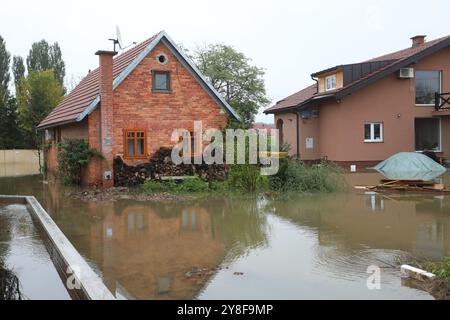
{"x":442,"y":101}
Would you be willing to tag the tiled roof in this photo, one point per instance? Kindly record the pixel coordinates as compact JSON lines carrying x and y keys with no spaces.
{"x":87,"y":90}
{"x":409,"y":51}
{"x":398,"y":57}
{"x":295,"y":99}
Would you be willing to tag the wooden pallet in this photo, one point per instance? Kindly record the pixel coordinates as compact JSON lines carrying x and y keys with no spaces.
{"x":410,"y":186}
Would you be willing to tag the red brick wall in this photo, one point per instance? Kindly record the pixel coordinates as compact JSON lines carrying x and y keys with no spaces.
{"x":77,"y":130}
{"x":137,"y":107}
{"x":92,"y":173}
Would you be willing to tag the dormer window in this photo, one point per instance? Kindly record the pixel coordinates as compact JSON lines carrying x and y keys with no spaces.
{"x":330,"y":83}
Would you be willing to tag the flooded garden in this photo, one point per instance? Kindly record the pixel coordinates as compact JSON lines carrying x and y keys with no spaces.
{"x":242,"y":247}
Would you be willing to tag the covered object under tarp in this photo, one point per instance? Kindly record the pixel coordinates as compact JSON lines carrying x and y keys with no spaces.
{"x":410,"y":166}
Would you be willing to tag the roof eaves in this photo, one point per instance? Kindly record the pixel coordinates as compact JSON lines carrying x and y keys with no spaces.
{"x":315,"y":74}
{"x":56,"y":124}
{"x":205,"y":83}
{"x":395,"y":66}
{"x":301,"y":105}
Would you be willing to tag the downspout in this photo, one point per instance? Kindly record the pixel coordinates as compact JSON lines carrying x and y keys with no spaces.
{"x":317,"y":83}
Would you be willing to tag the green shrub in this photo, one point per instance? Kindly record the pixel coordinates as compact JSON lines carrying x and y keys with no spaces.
{"x":246,"y":177}
{"x":188,"y":185}
{"x":153,"y":186}
{"x":73,"y":156}
{"x":296,"y":176}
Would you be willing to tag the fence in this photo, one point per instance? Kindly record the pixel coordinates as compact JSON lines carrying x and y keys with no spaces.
{"x":14,"y":163}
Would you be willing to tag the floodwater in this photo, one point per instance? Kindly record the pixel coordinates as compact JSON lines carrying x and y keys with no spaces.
{"x":23,"y":252}
{"x":306,"y":247}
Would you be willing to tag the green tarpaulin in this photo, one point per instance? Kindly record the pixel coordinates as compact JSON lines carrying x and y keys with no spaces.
{"x":410,"y":166}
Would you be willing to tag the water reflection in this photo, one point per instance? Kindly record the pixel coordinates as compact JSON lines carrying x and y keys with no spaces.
{"x":316,"y":246}
{"x":23,"y":251}
{"x":144,"y":251}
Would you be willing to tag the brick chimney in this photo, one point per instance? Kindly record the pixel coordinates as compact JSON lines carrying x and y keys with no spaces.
{"x":417,"y":41}
{"x":106,"y":115}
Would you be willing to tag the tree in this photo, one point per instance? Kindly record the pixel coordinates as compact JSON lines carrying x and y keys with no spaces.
{"x":10,"y":135}
{"x":43,"y":56}
{"x":5,"y":76}
{"x":18,"y":69}
{"x":38,"y":94}
{"x":233,"y":76}
{"x":9,"y":132}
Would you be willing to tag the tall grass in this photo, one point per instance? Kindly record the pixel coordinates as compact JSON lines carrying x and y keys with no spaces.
{"x":440,"y":269}
{"x":296,"y":176}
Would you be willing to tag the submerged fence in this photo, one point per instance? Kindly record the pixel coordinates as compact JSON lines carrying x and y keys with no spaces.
{"x":15,"y":163}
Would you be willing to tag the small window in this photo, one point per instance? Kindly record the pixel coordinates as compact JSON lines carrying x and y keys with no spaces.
{"x":162,"y":58}
{"x":330,"y":83}
{"x":135,"y":144}
{"x":427,"y":84}
{"x":373,"y":132}
{"x":161,"y":81}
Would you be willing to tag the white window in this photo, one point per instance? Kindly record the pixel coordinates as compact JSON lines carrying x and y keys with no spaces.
{"x":373,"y":132}
{"x":330,"y":83}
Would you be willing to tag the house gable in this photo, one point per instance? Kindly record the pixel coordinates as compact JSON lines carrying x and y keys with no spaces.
{"x":137,"y":106}
{"x":85,"y":98}
{"x":187,"y":63}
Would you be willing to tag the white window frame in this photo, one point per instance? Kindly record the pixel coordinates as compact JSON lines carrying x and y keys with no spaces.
{"x":440,"y":134}
{"x":372,"y":132}
{"x":331,"y":87}
{"x":415,"y":86}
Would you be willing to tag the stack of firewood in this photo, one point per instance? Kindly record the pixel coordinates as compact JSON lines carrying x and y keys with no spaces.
{"x":159,"y":166}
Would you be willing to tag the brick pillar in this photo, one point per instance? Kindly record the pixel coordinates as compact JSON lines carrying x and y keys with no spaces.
{"x":106,"y":116}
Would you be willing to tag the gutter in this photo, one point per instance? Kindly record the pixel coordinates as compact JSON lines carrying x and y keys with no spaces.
{"x":56,"y":124}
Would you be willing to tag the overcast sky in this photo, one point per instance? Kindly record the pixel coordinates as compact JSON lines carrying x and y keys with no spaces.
{"x":289,"y":39}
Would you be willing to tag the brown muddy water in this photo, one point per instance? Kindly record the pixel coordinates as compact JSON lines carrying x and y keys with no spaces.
{"x":24,"y":253}
{"x":307,"y":247}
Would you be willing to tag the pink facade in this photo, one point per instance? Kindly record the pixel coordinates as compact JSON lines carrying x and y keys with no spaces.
{"x":335,"y":129}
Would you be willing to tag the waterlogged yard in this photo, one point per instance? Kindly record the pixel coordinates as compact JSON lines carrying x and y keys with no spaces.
{"x":243,"y":247}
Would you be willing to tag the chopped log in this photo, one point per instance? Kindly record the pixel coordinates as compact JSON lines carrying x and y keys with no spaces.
{"x":160,"y":167}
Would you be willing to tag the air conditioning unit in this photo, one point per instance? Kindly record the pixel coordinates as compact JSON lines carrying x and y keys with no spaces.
{"x":406,"y":73}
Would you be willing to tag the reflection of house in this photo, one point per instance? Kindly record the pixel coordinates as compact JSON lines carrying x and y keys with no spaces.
{"x":149,"y":254}
{"x":410,"y":224}
{"x":368,"y":111}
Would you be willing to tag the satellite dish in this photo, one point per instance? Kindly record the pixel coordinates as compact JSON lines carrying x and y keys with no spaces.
{"x":118,"y":41}
{"x":119,"y":38}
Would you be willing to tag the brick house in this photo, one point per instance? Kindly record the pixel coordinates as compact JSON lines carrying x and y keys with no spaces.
{"x":131,"y":104}
{"x":366,"y":112}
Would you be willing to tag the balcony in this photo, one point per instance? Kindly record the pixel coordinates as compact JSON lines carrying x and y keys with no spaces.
{"x":442,"y":104}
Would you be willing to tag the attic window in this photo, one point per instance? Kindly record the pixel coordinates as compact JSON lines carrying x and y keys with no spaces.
{"x":330,"y":83}
{"x":162,"y":58}
{"x":161,"y":81}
